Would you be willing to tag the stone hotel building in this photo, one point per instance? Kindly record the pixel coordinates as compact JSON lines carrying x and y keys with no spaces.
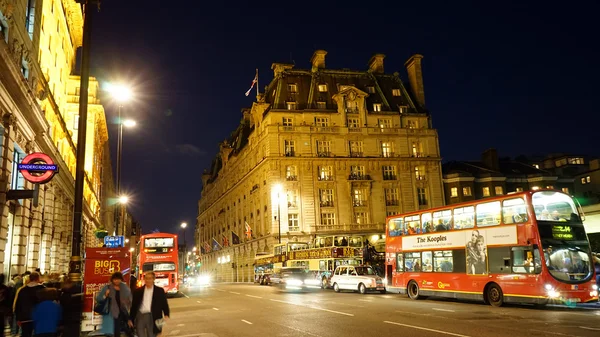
{"x":321,"y":152}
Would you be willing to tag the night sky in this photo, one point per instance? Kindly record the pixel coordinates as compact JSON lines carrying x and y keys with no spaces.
{"x":517,"y":77}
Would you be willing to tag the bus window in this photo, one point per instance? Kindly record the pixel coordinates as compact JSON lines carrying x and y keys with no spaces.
{"x":427,"y":261}
{"x":488,"y":214}
{"x":412,"y":261}
{"x":356,"y":241}
{"x":523,"y":261}
{"x":399,"y":262}
{"x":464,"y":217}
{"x":442,"y":261}
{"x":412,"y":225}
{"x":395,"y":227}
{"x":426,"y":225}
{"x":514,"y":211}
{"x":442,"y":220}
{"x":341,"y":241}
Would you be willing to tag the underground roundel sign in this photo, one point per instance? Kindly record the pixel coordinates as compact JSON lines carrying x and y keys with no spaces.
{"x":38,"y":168}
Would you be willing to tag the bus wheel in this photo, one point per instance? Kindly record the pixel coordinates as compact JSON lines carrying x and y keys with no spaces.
{"x":336,"y":288}
{"x":413,"y":290}
{"x":324,"y":283}
{"x":494,"y":295}
{"x":362,"y":289}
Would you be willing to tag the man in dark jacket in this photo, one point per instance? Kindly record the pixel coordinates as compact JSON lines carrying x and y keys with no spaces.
{"x":25,"y":300}
{"x":149,"y":305}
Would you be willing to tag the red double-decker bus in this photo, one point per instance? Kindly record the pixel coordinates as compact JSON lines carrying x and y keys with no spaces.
{"x":523,"y":247}
{"x":158,"y":253}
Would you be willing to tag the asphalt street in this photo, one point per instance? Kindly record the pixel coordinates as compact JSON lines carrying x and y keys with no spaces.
{"x":251,"y":310}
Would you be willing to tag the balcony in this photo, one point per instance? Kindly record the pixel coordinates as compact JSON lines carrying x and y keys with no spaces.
{"x":350,"y":228}
{"x":290,"y":153}
{"x":356,"y":154}
{"x":326,"y":203}
{"x":291,"y":178}
{"x":292,"y":204}
{"x":353,"y":110}
{"x":387,"y":130}
{"x":359,"y":203}
{"x":387,"y":154}
{"x":392,"y":202}
{"x":287,"y":128}
{"x":358,"y":176}
{"x":421,"y":177}
{"x":390,"y":177}
{"x":354,"y":129}
{"x":323,"y":154}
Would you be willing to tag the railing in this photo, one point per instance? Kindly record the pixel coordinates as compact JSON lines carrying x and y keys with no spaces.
{"x":390,"y":177}
{"x":359,"y":203}
{"x":292,"y":205}
{"x":354,"y":129}
{"x":290,"y":153}
{"x":325,"y":178}
{"x":421,"y":177}
{"x":392,"y":202}
{"x":327,"y":203}
{"x":354,"y":176}
{"x":352,"y":110}
{"x":356,"y":154}
{"x":354,"y":227}
{"x":291,"y":178}
{"x":387,"y":154}
{"x":323,"y":154}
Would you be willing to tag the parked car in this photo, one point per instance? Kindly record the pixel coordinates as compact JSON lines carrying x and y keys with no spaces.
{"x":357,"y":278}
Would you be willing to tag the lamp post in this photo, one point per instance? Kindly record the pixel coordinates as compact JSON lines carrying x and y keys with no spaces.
{"x":183,"y":227}
{"x":278,"y":189}
{"x":123,"y":200}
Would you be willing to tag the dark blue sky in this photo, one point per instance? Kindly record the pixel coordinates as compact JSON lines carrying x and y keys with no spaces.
{"x":518,"y":77}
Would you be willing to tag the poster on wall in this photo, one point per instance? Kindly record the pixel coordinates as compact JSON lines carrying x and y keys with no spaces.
{"x":99,"y":265}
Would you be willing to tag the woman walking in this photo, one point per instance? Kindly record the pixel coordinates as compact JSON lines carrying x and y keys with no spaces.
{"x":118,"y":295}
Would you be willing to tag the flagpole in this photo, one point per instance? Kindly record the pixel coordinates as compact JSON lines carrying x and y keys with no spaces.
{"x":257,"y":82}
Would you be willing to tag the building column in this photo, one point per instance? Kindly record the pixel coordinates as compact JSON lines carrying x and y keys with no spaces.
{"x":6,"y":155}
{"x":48,"y":228}
{"x":55,"y":248}
{"x":35,"y":235}
{"x":20,"y":241}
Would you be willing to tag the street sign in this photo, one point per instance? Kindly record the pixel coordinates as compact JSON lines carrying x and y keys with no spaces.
{"x":114,"y":241}
{"x":38,"y":168}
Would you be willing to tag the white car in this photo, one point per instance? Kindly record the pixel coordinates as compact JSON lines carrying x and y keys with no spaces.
{"x":357,"y":278}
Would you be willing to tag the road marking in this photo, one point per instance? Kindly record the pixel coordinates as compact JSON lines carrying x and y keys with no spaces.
{"x":552,"y":333}
{"x":233,"y":292}
{"x":425,"y":329}
{"x":445,"y":310}
{"x":174,"y":332}
{"x":245,"y":321}
{"x":315,"y":308}
{"x":216,"y":309}
{"x":221,"y":290}
{"x":186,"y":296}
{"x":198,"y":302}
{"x":588,"y":328}
{"x":296,"y":329}
{"x":180,"y":324}
{"x":253,"y":296}
{"x":366,"y":300}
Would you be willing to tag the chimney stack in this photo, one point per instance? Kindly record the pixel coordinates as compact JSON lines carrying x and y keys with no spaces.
{"x":318,"y":60}
{"x":376,"y":63}
{"x":489,"y":158}
{"x":415,"y":78}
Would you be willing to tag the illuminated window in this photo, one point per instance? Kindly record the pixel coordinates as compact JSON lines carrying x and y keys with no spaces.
{"x":519,"y":189}
{"x":292,"y":88}
{"x":391,"y":197}
{"x":291,"y":105}
{"x":387,"y":149}
{"x":377,"y":107}
{"x":353,"y":123}
{"x":560,"y":162}
{"x":411,"y":124}
{"x":454,"y":192}
{"x":467,"y":191}
{"x":323,"y":148}
{"x":371,"y":90}
{"x":325,"y":173}
{"x":486,"y":191}
{"x":357,"y":172}
{"x":565,"y":190}
{"x":289,"y":148}
{"x":30,"y":18}
{"x":576,"y":161}
{"x":498,"y":190}
{"x":293,"y":223}
{"x":322,"y":87}
{"x":292,"y":199}
{"x":359,"y":197}
{"x":322,"y":105}
{"x":327,"y":219}
{"x":326,"y":199}
{"x":588,"y":179}
{"x":536,"y":166}
{"x":384,"y":123}
{"x":417,"y":149}
{"x":291,"y":173}
{"x":420,"y":172}
{"x":356,"y":148}
{"x":361,"y":217}
{"x":395,"y":92}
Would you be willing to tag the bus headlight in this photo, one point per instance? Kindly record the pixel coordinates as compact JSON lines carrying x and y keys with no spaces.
{"x":553,"y":293}
{"x":594,"y":287}
{"x":548,"y":287}
{"x":594,"y":293}
{"x":203,"y":280}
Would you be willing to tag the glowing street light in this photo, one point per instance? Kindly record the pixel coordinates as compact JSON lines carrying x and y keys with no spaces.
{"x":183,"y":225}
{"x":120,"y":93}
{"x":129,"y":123}
{"x":123,"y":200}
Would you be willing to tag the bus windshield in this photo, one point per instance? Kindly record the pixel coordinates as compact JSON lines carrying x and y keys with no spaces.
{"x":554,"y":206}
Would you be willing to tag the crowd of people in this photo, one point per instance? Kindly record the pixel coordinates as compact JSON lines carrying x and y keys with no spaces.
{"x":36,"y":305}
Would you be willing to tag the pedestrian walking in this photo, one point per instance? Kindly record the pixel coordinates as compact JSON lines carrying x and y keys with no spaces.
{"x":149,"y":307}
{"x":47,"y":314}
{"x":71,"y":304}
{"x":5,"y":307}
{"x":119,"y":295}
{"x":25,"y":300}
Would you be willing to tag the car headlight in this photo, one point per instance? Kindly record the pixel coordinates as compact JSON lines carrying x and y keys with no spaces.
{"x":594,"y":287}
{"x":294,"y":282}
{"x":203,"y":280}
{"x":548,"y":287}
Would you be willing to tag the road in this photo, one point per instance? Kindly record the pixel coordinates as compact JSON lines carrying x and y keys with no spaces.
{"x":224,"y":310}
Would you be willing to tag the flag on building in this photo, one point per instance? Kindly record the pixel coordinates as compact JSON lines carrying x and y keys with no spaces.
{"x":254,"y":81}
{"x":248,"y":231}
{"x":207,"y":248}
{"x":225,"y":241}
{"x":235,"y":239}
{"x":216,"y":245}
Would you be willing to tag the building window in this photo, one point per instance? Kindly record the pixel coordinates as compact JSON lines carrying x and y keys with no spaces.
{"x":353,"y":123}
{"x":322,"y":87}
{"x":25,"y":68}
{"x":359,"y":197}
{"x":292,"y":88}
{"x":289,"y":148}
{"x":576,"y":161}
{"x":76,"y":122}
{"x":454,"y":192}
{"x":322,"y":122}
{"x":387,"y":149}
{"x":322,"y":105}
{"x":357,"y":172}
{"x":549,"y":187}
{"x":519,"y":189}
{"x":351,"y":107}
{"x":327,"y":219}
{"x":467,"y":191}
{"x":356,"y":148}
{"x":384,"y":123}
{"x":420,"y":172}
{"x":422,"y":196}
{"x":371,"y":90}
{"x":291,"y":105}
{"x":293,"y":223}
{"x":395,"y":92}
{"x":391,"y":197}
{"x":377,"y":107}
{"x":361,"y":217}
{"x":30,"y":18}
{"x":560,"y":162}
{"x":326,"y":199}
{"x":292,"y":198}
{"x":417,"y":149}
{"x":498,"y":190}
{"x":291,"y":173}
{"x":389,"y":172}
{"x":17,"y":182}
{"x":565,"y":190}
{"x":588,"y":179}
{"x":486,"y":191}
{"x":288,"y":121}
{"x":323,"y":148}
{"x":411,"y":124}
{"x":325,"y":173}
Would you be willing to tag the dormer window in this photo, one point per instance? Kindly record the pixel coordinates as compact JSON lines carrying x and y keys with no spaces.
{"x":377,"y":107}
{"x":371,"y":90}
{"x":291,"y":105}
{"x":321,"y":105}
{"x":292,"y":88}
{"x":395,"y":92}
{"x":322,"y":87}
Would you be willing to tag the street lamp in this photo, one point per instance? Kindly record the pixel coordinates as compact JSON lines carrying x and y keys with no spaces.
{"x":183,"y":227}
{"x":278,"y":189}
{"x":123,"y":200}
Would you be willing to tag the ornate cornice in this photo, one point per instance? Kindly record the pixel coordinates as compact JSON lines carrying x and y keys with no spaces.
{"x":74,"y":17}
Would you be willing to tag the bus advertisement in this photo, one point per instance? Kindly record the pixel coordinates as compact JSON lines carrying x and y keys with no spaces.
{"x":158,"y":253}
{"x":528,"y":247}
